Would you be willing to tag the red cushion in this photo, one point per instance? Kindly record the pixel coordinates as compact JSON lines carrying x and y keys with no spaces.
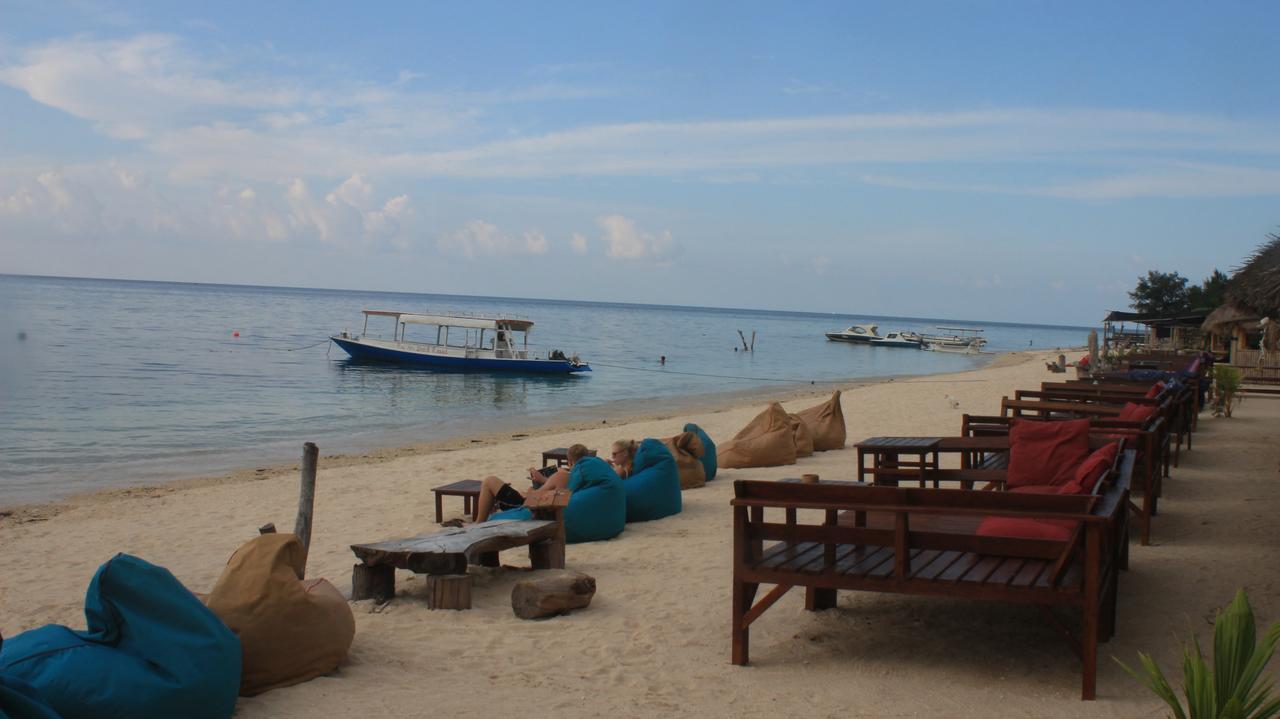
{"x":1046,"y":452}
{"x":1092,"y":469}
{"x":1136,"y":412}
{"x":1055,"y":529}
{"x":1039,"y":489}
{"x":1155,"y":390}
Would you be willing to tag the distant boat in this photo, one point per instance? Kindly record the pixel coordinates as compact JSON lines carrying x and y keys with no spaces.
{"x":860,"y":334}
{"x":504,"y":349}
{"x":962,"y":339}
{"x":908,"y":340}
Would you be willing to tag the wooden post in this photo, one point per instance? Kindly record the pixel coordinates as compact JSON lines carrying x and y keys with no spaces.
{"x":377,"y":582}
{"x":306,"y":501}
{"x":744,"y":341}
{"x":753,"y":340}
{"x":448,"y":591}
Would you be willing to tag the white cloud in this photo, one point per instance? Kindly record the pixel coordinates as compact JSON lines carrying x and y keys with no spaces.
{"x":478,"y":238}
{"x":535,"y":243}
{"x":578,"y":243}
{"x":985,"y":283}
{"x":625,"y":241}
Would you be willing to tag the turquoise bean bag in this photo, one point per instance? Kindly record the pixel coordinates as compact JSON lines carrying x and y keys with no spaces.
{"x":598,"y":508}
{"x":653,"y":489}
{"x":152,"y":649}
{"x":709,"y":450}
{"x":20,"y":700}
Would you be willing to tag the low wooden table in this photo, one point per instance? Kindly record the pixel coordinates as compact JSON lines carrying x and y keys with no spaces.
{"x":560,"y":455}
{"x":887,"y":464}
{"x":444,"y":556}
{"x":468,"y":489}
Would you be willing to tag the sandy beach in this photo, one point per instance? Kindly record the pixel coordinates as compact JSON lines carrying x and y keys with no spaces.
{"x":655,"y":640}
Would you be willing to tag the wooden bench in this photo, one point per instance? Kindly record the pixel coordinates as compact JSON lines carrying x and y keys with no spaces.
{"x":1150,"y":444}
{"x":914,"y":541}
{"x":444,"y":556}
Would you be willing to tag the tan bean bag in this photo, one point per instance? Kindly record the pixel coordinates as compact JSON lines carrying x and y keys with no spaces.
{"x":688,"y":450}
{"x":825,"y":423}
{"x":766,"y":441}
{"x":290,"y":630}
{"x":800,"y":433}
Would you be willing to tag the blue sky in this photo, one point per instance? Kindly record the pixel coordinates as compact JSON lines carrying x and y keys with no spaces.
{"x":1016,"y":161}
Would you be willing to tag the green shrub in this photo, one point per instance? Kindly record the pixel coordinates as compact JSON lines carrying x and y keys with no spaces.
{"x":1230,"y":689}
{"x":1226,"y":388}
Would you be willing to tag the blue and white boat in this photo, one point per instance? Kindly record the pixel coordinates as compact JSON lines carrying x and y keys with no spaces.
{"x":487,"y":344}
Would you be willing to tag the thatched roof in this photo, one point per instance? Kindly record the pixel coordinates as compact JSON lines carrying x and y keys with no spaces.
{"x":1255,"y":286}
{"x":1226,"y":316}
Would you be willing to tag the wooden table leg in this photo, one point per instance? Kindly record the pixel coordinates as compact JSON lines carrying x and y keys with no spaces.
{"x":439,"y":508}
{"x":378,"y":582}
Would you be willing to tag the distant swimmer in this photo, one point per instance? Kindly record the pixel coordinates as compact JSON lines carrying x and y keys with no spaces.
{"x":662,"y":359}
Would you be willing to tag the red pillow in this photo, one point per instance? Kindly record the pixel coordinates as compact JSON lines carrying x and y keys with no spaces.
{"x":1041,"y":489}
{"x":1155,"y":390}
{"x":1136,"y":412}
{"x":1092,"y":469}
{"x":1022,"y":528}
{"x":1046,"y":452}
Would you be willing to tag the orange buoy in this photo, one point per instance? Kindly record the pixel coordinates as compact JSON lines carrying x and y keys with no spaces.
{"x":235,"y":333}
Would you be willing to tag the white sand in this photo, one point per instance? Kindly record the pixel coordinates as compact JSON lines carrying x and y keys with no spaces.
{"x":656,"y":638}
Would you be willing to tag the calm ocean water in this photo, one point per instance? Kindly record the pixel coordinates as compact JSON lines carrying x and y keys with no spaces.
{"x":110,"y":383}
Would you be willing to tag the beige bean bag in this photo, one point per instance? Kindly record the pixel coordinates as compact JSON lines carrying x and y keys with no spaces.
{"x":800,"y":433}
{"x":766,"y":441}
{"x":688,"y":450}
{"x":825,"y":423}
{"x":290,"y":630}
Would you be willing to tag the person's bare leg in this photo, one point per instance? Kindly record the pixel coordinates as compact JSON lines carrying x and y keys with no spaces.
{"x":489,"y":488}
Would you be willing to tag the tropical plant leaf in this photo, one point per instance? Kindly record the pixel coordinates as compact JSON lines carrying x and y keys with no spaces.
{"x":1233,"y":642}
{"x":1231,"y":687}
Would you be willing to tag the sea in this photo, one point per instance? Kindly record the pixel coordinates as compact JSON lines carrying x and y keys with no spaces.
{"x":112,"y":383}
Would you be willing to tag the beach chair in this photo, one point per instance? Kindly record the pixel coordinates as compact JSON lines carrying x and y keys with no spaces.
{"x":932,"y":542}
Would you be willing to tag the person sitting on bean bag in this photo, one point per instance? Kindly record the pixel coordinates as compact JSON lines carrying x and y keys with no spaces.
{"x":598,"y":506}
{"x":499,"y":496}
{"x":653,"y":487}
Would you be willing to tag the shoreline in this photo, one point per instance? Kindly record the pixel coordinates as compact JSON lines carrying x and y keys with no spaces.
{"x":588,"y":417}
{"x":652,"y":640}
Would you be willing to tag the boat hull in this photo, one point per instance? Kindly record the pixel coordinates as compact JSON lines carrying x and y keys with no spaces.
{"x":372,"y":353}
{"x":851,"y":338}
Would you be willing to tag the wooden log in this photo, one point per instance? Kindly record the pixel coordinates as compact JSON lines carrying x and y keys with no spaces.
{"x":551,"y":594}
{"x":377,"y":582}
{"x":306,"y":501}
{"x":449,"y":591}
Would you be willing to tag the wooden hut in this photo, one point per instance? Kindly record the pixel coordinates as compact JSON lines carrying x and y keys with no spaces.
{"x":1254,"y":289}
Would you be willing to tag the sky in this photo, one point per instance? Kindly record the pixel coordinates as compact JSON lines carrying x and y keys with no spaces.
{"x":1008,"y":161}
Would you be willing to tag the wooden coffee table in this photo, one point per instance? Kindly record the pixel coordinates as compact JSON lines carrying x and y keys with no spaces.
{"x":560,"y":455}
{"x":468,"y":489}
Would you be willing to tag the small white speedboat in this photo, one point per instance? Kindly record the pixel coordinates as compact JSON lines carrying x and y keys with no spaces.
{"x":898,"y":339}
{"x":858,"y":334}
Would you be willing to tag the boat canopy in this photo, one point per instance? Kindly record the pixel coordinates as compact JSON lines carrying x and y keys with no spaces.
{"x":479,"y":323}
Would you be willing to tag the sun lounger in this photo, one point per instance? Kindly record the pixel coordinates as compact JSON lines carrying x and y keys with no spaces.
{"x":924,"y":541}
{"x":1148,"y":439}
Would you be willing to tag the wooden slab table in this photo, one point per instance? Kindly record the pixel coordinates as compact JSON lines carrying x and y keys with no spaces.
{"x":444,"y":556}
